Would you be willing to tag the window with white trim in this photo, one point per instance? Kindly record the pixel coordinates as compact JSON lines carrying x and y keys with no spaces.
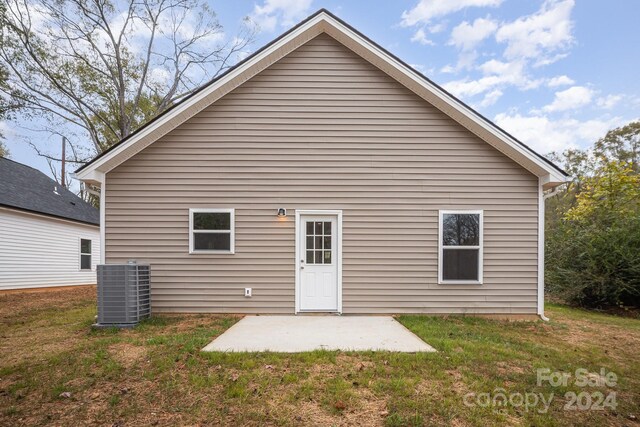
{"x":211,"y":231}
{"x":85,"y":254}
{"x":460,"y":254}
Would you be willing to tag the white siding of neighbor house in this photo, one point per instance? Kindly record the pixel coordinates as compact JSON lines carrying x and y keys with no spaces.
{"x":324,"y":129}
{"x":40,"y":251}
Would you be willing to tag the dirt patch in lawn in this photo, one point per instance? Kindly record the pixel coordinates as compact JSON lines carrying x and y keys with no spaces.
{"x":15,"y":304}
{"x":365,"y":409}
{"x":127,"y":354}
{"x":36,"y":342}
{"x":584,"y":334}
{"x":37,"y":324}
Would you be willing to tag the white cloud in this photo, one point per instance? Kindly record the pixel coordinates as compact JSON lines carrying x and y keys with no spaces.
{"x":437,"y":28}
{"x":6,"y":129}
{"x":609,"y":101}
{"x":466,"y":36}
{"x":497,"y":74}
{"x":422,"y":69}
{"x":547,"y":60}
{"x":536,"y":35}
{"x":468,"y":88}
{"x":426,"y":10}
{"x":491,"y":98}
{"x":574,"y":97}
{"x":560,"y":81}
{"x":494,"y":66}
{"x":159,"y":76}
{"x":545,"y":135}
{"x":532,"y":41}
{"x":421,"y":37}
{"x":285,"y":12}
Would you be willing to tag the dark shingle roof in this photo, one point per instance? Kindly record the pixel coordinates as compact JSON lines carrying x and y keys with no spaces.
{"x":25,"y":188}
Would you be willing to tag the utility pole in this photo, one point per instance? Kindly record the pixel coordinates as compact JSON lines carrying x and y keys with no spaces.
{"x":63,"y":177}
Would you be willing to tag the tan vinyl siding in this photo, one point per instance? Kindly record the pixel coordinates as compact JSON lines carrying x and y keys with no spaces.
{"x":324,"y":129}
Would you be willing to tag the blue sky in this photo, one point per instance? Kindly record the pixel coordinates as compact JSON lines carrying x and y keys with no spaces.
{"x":555,"y":74}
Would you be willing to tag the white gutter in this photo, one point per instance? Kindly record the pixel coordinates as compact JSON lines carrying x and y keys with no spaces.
{"x":553,"y":193}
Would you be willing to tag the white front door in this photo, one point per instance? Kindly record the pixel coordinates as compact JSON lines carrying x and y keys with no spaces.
{"x":318,"y":262}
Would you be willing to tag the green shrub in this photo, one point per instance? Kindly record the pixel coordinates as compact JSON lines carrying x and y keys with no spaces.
{"x":593,"y":252}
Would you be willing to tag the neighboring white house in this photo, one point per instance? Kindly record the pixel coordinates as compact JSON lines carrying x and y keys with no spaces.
{"x":48,"y":235}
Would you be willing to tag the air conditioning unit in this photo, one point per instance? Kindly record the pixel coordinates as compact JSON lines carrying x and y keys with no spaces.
{"x":123,"y":294}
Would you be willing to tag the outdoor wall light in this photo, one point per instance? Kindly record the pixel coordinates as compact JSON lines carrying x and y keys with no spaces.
{"x":282,"y":213}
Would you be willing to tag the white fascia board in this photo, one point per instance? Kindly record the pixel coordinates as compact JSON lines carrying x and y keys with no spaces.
{"x":90,"y":175}
{"x":552,"y":180}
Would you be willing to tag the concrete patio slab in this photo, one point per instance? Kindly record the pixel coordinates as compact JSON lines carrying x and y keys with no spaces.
{"x":293,"y":334}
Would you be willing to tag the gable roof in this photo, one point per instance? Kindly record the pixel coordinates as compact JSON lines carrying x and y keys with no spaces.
{"x":324,"y":22}
{"x":25,"y":188}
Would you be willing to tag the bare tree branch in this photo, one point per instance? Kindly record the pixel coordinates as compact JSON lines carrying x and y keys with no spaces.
{"x":96,"y":70}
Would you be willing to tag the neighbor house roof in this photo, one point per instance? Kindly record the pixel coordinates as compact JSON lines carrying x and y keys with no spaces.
{"x":316,"y":24}
{"x":25,"y":188}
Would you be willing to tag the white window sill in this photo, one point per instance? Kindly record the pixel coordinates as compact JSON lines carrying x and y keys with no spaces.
{"x":460,"y":282}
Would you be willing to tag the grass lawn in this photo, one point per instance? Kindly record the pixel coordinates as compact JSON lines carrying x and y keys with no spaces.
{"x":54,"y":369}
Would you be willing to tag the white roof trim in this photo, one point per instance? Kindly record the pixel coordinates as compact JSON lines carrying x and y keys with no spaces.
{"x":323,"y":22}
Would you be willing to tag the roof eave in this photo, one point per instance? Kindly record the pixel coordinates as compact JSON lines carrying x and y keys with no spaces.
{"x":49,"y":215}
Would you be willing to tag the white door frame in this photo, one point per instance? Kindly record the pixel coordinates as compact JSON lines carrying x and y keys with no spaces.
{"x":338,"y":214}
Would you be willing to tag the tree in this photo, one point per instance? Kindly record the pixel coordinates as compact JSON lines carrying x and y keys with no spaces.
{"x":579,"y":164}
{"x":4,"y":151}
{"x":621,"y":144}
{"x":592,"y":253}
{"x":101,"y":68}
{"x":8,"y":103}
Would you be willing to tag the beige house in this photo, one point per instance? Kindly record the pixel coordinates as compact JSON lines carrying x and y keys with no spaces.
{"x":323,"y":174}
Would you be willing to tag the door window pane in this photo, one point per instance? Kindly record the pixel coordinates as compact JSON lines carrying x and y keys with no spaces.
{"x":327,"y":229}
{"x":327,"y":242}
{"x":460,"y":264}
{"x":318,"y":242}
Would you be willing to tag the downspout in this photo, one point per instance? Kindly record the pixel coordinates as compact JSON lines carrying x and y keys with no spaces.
{"x":541,"y":210}
{"x":553,"y":193}
{"x":103,"y":206}
{"x":541,"y":199}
